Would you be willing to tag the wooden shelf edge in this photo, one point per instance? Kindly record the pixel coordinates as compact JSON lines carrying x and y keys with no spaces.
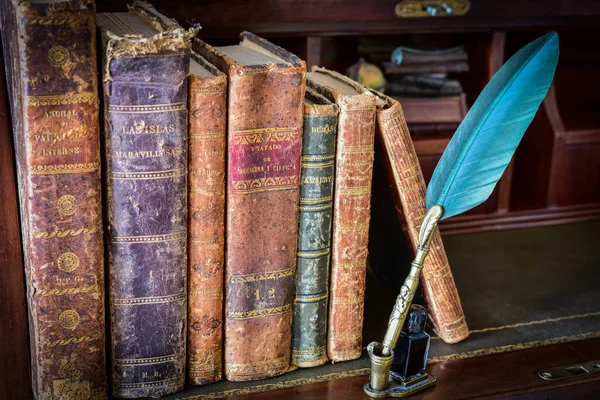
{"x":520,"y":219}
{"x":508,"y":375}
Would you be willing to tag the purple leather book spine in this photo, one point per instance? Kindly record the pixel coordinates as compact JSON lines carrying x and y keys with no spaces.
{"x":146,"y":155}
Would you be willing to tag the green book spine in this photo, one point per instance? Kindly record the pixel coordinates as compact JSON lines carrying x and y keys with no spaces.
{"x":314,"y":237}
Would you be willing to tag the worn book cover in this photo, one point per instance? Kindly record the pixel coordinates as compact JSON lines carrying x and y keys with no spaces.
{"x":145,"y":103}
{"x":50,"y":54}
{"x":207,"y":130}
{"x":351,"y":210}
{"x":266,"y":100}
{"x":408,"y":187}
{"x":314,"y":235}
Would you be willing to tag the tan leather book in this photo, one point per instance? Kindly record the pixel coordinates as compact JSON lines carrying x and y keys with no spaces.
{"x":351,"y":210}
{"x":207,"y":123}
{"x":266,"y":100}
{"x":50,"y":55}
{"x":447,"y":109}
{"x":408,"y":186}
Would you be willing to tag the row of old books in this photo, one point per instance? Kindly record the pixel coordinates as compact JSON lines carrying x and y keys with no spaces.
{"x":231,"y":180}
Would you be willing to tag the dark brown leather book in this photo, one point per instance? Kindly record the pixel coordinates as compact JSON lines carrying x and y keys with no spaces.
{"x":351,"y":210}
{"x":145,"y":102}
{"x":50,"y":54}
{"x":207,"y":124}
{"x":266,"y":99}
{"x":450,"y":66}
{"x":408,"y":187}
{"x":448,"y":109}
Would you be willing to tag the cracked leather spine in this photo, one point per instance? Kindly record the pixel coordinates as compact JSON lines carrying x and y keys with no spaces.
{"x":207,"y":130}
{"x":264,"y":144}
{"x":145,"y":108}
{"x":351,"y":216}
{"x":408,"y":186}
{"x":309,"y":331}
{"x":50,"y":53}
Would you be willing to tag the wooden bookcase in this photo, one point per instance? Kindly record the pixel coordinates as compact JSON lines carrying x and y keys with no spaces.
{"x":554,"y":177}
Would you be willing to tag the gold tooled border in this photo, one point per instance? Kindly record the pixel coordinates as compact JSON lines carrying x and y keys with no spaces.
{"x":280,"y":385}
{"x":513,"y":347}
{"x":365,"y":371}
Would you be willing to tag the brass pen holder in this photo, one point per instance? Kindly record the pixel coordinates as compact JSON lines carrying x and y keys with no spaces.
{"x":382,"y":382}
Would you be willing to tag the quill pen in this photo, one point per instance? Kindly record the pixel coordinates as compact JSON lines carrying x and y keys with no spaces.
{"x":472,"y":164}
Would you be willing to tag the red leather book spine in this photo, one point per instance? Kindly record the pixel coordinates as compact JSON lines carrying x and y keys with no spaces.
{"x":207,"y":125}
{"x":408,"y":186}
{"x":264,"y":144}
{"x":50,"y":51}
{"x":351,"y":216}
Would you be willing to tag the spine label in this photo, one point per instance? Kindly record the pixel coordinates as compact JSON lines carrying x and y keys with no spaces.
{"x":314,"y":240}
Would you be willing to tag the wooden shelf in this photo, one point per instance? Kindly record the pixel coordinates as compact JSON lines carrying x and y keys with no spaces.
{"x":508,"y":375}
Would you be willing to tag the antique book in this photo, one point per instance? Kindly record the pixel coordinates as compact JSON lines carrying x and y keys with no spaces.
{"x":389,"y":68}
{"x":309,"y":336}
{"x":408,"y":87}
{"x":351,"y":210}
{"x":410,"y":56}
{"x":433,"y":129}
{"x":145,"y":103}
{"x":50,"y":55}
{"x":207,"y":123}
{"x":266,"y":99}
{"x":408,"y":187}
{"x":447,"y":109}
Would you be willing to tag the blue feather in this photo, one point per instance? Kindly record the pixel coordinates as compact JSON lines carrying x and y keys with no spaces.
{"x":485,"y":141}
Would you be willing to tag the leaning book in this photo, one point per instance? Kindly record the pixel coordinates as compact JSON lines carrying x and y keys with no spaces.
{"x":50,"y":54}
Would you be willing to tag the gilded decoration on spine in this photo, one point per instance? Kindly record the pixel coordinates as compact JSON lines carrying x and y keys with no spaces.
{"x":265,"y":312}
{"x":289,"y":182}
{"x":146,"y":109}
{"x":55,"y":169}
{"x":148,"y":300}
{"x":265,"y":135}
{"x":237,"y":278}
{"x":62,"y":100}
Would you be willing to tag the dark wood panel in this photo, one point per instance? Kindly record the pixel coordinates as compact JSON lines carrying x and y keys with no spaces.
{"x":578,"y":177}
{"x":507,"y":374}
{"x":532,"y":163}
{"x":277,"y":17}
{"x":14,"y":345}
{"x":520,"y":219}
